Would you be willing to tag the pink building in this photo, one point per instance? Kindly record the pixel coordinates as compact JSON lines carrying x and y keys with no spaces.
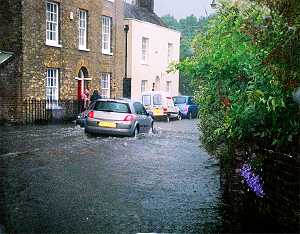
{"x":151,"y":47}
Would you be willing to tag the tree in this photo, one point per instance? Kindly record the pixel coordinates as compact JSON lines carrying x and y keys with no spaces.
{"x":189,"y":28}
{"x":247,"y":68}
{"x":170,"y":21}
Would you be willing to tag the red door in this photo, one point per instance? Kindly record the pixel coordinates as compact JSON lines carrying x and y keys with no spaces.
{"x":79,"y":90}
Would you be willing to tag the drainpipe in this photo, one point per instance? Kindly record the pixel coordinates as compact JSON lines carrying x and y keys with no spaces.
{"x":126,"y":81}
{"x":126,"y":29}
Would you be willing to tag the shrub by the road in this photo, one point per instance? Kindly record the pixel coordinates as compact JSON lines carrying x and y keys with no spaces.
{"x":246,"y":68}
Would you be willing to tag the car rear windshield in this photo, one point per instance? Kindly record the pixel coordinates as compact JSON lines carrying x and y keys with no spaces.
{"x":157,"y":100}
{"x":111,"y":106}
{"x":179,"y":100}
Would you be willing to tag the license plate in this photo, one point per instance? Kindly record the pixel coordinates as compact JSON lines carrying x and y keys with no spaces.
{"x":107,"y":124}
{"x":156,"y":112}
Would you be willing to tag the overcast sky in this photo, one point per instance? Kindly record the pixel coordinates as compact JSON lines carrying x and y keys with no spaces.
{"x":182,"y":8}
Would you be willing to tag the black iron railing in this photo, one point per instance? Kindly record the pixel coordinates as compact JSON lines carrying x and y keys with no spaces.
{"x":41,"y":111}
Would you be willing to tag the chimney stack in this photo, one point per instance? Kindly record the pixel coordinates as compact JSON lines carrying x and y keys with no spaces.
{"x":148,"y":4}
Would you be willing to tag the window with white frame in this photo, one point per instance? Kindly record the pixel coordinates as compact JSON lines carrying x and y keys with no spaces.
{"x":105,"y":85}
{"x":168,"y":87}
{"x":106,"y":34}
{"x":144,"y":85}
{"x":52,"y":88}
{"x":83,"y":29}
{"x":52,"y":21}
{"x":170,"y":52}
{"x":145,"y":50}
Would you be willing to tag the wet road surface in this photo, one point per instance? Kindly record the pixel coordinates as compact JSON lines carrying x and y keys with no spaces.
{"x":56,"y":179}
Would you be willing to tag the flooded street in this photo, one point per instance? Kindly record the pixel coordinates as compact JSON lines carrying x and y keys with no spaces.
{"x":57,"y":179}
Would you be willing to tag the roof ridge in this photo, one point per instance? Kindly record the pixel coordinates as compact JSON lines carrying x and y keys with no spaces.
{"x":142,"y":14}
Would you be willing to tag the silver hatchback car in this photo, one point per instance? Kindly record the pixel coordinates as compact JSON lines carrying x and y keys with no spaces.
{"x":118,"y":117}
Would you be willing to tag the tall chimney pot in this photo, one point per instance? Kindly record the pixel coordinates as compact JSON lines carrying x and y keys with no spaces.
{"x":148,"y":4}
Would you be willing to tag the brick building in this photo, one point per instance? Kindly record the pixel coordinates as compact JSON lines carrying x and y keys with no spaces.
{"x":59,"y":47}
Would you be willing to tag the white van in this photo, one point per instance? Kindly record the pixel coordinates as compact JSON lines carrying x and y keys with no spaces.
{"x":160,"y":104}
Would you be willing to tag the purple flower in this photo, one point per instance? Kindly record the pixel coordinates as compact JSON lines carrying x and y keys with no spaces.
{"x":253,"y":181}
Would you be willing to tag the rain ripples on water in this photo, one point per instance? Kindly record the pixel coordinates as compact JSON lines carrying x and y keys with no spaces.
{"x":66,"y":181}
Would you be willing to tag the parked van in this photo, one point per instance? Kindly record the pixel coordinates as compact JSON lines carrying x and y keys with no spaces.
{"x":160,"y":104}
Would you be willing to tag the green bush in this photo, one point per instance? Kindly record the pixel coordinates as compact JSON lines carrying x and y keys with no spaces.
{"x":246,"y":68}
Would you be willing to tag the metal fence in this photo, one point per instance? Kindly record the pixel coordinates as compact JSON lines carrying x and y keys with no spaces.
{"x":40,"y":111}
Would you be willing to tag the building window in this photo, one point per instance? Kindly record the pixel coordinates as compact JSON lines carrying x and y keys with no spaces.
{"x":144,"y":85}
{"x":52,"y":88}
{"x":170,"y":52}
{"x":106,"y":35}
{"x":52,"y":21}
{"x":145,"y":50}
{"x":168,"y":89}
{"x":82,"y":29}
{"x":105,"y":85}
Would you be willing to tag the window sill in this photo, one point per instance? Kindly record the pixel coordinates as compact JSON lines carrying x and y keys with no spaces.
{"x":53,"y":45}
{"x":107,"y":53}
{"x":84,"y":49}
{"x":145,"y":64}
{"x":53,"y":107}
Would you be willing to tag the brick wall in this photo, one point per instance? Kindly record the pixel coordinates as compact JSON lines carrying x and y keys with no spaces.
{"x":69,"y":59}
{"x":278,"y":211}
{"x":10,"y":71}
{"x":23,"y":31}
{"x":9,"y":77}
{"x":10,"y":26}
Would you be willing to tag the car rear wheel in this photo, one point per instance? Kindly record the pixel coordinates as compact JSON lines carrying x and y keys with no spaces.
{"x":135,"y":132}
{"x":179,"y":116}
{"x":152,"y":129}
{"x":88,"y":134}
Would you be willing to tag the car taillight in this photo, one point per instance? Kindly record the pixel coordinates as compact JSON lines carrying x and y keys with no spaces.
{"x":129,"y":118}
{"x":91,"y":114}
{"x":165,"y":109}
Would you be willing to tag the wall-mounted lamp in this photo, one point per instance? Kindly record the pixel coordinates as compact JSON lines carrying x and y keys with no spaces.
{"x":71,"y":15}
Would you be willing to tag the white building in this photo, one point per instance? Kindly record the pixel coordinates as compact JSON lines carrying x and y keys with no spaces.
{"x":151,"y":48}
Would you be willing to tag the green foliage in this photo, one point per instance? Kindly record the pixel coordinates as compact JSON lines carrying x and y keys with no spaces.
{"x":170,"y":21}
{"x":189,"y":28}
{"x":246,"y":67}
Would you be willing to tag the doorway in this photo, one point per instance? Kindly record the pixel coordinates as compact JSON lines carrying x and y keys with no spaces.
{"x":83,"y":82}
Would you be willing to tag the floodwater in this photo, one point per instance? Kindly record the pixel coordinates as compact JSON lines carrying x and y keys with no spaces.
{"x":57,"y":179}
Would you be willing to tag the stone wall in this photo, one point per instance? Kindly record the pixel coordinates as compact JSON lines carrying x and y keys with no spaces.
{"x":9,"y":86}
{"x":23,"y":31}
{"x":10,"y":71}
{"x":69,"y":59}
{"x":10,"y":26}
